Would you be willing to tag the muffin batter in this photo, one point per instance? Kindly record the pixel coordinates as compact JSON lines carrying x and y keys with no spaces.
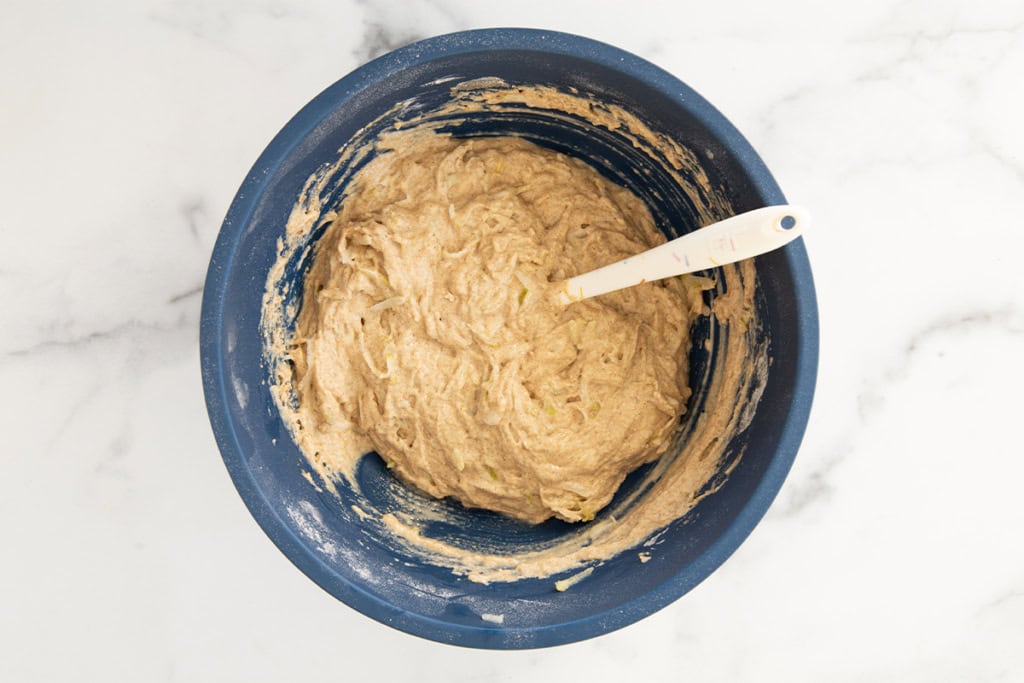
{"x":429,"y":330}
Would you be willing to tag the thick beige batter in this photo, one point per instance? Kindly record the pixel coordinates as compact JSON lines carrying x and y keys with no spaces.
{"x":429,"y":331}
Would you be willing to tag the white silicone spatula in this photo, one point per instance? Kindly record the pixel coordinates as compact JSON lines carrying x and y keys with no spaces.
{"x":734,"y":239}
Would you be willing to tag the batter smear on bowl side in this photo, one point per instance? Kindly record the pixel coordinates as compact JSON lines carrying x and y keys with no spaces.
{"x":425,"y":328}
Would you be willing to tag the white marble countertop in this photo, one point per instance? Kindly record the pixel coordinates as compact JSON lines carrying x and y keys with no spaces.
{"x":894,"y":551}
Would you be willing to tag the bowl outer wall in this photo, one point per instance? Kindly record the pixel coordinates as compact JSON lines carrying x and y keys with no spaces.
{"x":217,"y":387}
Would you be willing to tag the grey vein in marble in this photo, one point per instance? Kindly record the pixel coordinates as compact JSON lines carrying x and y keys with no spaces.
{"x":816,"y":487}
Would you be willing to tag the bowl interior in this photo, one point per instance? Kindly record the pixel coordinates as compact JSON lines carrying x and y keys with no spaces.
{"x":321,"y":533}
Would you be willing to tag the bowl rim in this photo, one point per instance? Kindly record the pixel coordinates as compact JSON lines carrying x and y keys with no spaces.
{"x":216,"y":386}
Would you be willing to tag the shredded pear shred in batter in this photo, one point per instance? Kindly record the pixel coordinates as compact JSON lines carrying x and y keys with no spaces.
{"x":430,"y":332}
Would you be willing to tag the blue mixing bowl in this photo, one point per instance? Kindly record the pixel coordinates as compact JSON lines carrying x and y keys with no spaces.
{"x":268,"y":469}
